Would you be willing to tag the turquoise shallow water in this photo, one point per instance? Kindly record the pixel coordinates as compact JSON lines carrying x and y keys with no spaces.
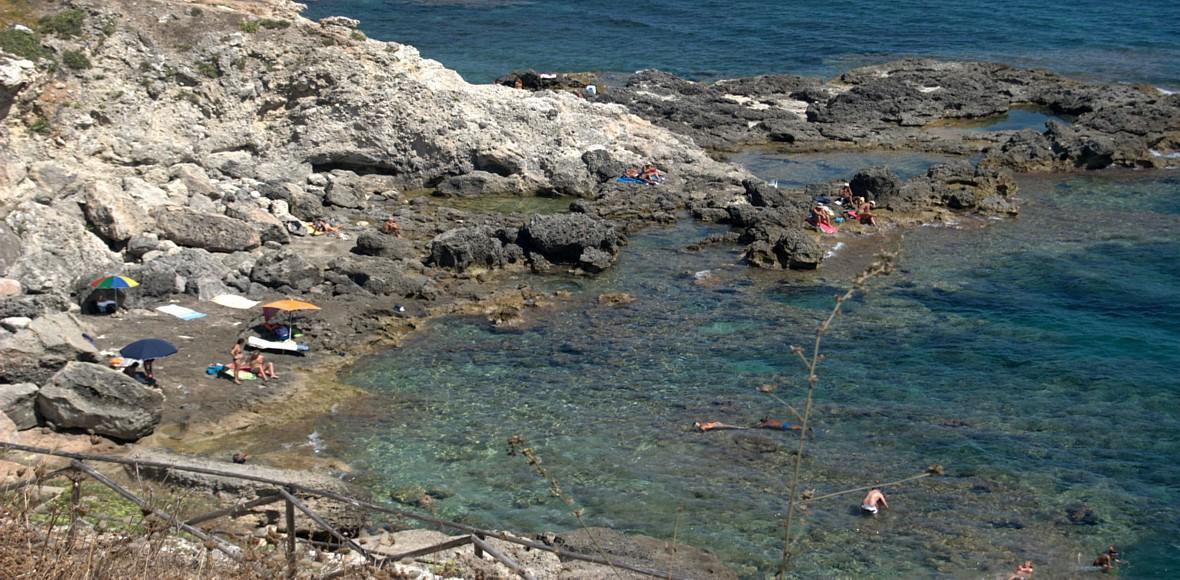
{"x":1035,"y":358}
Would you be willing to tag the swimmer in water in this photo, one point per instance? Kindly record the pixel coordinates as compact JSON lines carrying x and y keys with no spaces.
{"x":873,"y":501}
{"x":777,"y":425}
{"x":713,"y":426}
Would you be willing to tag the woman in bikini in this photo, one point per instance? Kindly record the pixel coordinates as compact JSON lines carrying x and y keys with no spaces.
{"x":235,"y":353}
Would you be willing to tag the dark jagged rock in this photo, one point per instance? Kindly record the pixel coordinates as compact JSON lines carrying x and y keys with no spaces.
{"x":575,"y":239}
{"x":385,"y":245}
{"x":379,"y":276}
{"x":478,"y":183}
{"x":464,"y":248}
{"x":875,"y":183}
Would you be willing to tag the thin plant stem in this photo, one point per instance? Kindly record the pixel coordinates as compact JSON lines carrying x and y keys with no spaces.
{"x":883,"y":265}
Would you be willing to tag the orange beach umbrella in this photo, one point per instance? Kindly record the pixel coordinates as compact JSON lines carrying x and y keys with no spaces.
{"x":287,"y":305}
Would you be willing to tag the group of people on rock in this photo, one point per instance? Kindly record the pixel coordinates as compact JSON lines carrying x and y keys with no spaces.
{"x":854,"y":208}
{"x":647,"y":174}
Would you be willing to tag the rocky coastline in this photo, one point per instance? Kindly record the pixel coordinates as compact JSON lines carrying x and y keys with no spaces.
{"x":190,"y":144}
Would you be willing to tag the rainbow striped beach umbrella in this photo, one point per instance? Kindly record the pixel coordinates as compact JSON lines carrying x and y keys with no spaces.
{"x":114,"y":283}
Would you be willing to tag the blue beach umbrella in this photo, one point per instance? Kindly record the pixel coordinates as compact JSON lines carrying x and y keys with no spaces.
{"x":148,"y":349}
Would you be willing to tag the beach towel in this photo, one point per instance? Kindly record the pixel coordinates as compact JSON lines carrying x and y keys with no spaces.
{"x":285,"y":346}
{"x":235,"y":301}
{"x":626,"y":179}
{"x":181,"y":312}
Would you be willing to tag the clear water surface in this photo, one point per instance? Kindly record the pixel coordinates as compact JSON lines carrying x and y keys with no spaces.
{"x":483,"y":39}
{"x":1035,"y":358}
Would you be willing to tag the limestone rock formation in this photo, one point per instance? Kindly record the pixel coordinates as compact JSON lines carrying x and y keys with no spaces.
{"x":19,"y":403}
{"x":48,"y":343}
{"x":216,"y":233}
{"x":97,"y":399}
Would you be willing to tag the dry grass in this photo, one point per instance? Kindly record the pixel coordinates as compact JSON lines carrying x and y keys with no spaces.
{"x":16,"y":12}
{"x":41,"y":539}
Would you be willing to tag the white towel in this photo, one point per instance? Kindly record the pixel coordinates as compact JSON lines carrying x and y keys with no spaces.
{"x":235,"y":301}
{"x":181,"y":312}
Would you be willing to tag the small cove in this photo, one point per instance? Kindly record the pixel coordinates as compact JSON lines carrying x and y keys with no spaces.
{"x":1032,"y":358}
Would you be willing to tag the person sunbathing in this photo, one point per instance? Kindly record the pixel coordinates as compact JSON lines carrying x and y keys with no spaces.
{"x":631,"y":172}
{"x":321,"y":226}
{"x":260,"y":367}
{"x":864,"y":212}
{"x":1023,"y":571}
{"x":651,"y":175}
{"x":820,"y":217}
{"x":845,"y":198}
{"x":391,"y":227}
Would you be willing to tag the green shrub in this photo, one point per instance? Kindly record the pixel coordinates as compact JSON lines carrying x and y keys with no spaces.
{"x":209,"y":68}
{"x":194,"y":12}
{"x":75,"y":59}
{"x":39,"y":125}
{"x":108,"y":27}
{"x":270,"y":24}
{"x":250,"y":26}
{"x":23,"y":44}
{"x":357,"y":35}
{"x":65,"y":24}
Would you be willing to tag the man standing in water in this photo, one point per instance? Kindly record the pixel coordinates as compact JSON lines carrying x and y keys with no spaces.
{"x":874,"y":499}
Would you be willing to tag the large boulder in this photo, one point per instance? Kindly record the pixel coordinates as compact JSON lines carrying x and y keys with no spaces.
{"x":479,"y":183}
{"x":777,"y":247}
{"x":194,"y":179}
{"x":19,"y":403}
{"x":565,"y":239}
{"x":187,"y":271}
{"x":269,"y":227}
{"x":875,"y":183}
{"x":112,"y":214}
{"x":97,"y":399}
{"x":385,"y":246}
{"x":286,"y":271}
{"x":55,"y":249}
{"x":379,"y":276}
{"x":213,"y":232}
{"x":35,"y":353}
{"x":463,"y":248}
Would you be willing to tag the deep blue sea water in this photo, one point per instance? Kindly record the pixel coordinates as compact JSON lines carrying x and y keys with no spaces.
{"x":1036,"y":357}
{"x":483,"y":39}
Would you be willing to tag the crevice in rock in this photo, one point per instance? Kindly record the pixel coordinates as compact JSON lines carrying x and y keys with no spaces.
{"x":357,"y":167}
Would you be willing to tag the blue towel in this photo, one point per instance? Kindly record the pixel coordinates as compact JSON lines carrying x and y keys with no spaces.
{"x":626,"y":179}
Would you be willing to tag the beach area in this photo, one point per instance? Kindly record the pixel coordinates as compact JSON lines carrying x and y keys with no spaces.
{"x":492,"y":263}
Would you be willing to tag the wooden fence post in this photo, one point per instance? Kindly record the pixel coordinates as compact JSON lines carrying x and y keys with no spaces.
{"x":290,"y":538}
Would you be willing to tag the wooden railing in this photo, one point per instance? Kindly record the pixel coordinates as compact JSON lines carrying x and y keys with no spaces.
{"x":286,"y":492}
